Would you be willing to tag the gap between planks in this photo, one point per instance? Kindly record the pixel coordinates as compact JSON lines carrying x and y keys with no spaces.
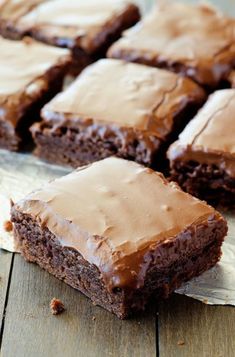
{"x":6,"y":264}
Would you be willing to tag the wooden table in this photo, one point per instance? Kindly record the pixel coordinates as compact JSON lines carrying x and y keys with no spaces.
{"x":177,"y":327}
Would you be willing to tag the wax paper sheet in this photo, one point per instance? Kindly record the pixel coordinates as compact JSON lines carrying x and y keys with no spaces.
{"x":22,"y":173}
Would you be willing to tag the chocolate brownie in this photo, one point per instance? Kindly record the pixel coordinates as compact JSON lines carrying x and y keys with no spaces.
{"x":86,"y":27}
{"x":31,"y":74}
{"x":115,"y":108}
{"x":203,"y":159}
{"x":194,"y":40}
{"x":118,"y":232}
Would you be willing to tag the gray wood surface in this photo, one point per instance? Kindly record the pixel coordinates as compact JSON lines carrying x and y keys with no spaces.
{"x":5,"y":266}
{"x":182,"y":326}
{"x":82,"y":330}
{"x":189,"y":328}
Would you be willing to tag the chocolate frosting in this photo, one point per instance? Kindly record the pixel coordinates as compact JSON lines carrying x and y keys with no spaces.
{"x":196,"y":40}
{"x":68,"y":22}
{"x":126,"y":94}
{"x":115,"y":213}
{"x":23,"y":67}
{"x":22,"y":62}
{"x":14,"y":9}
{"x":209,"y":137}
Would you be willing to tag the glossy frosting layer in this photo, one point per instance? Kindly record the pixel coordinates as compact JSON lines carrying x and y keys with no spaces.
{"x":13,"y":9}
{"x":174,"y":34}
{"x":22,"y":62}
{"x":68,"y":23}
{"x":126,"y":94}
{"x":112,"y":212}
{"x":209,"y":137}
{"x":80,"y":14}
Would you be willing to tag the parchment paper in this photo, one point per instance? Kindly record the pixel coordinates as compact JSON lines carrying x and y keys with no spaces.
{"x":21,"y":174}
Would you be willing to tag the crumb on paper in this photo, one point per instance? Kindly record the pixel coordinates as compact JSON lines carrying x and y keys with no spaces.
{"x":205,"y":301}
{"x":56,"y":306}
{"x":181,"y":343}
{"x":93,"y":318}
{"x":27,"y":40}
{"x":8,"y":226}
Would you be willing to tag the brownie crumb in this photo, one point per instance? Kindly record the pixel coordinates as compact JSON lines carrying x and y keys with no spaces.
{"x":8,"y":226}
{"x":28,"y":40}
{"x":180,"y":343}
{"x":57,"y":307}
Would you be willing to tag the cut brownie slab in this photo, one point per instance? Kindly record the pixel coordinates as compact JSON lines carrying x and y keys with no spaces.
{"x":30,"y":75}
{"x":203,"y":159}
{"x":119,"y":233}
{"x":86,"y":27}
{"x":115,"y":108}
{"x":194,"y":40}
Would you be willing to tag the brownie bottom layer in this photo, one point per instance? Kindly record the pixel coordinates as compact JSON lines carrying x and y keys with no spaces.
{"x":75,"y":146}
{"x":73,"y":143}
{"x":207,"y":182}
{"x":40,"y":246}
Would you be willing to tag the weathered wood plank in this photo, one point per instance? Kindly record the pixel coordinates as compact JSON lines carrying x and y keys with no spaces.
{"x":31,"y":330}
{"x":5,"y":266}
{"x":205,"y":330}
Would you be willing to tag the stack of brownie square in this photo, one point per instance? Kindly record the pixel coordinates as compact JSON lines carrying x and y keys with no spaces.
{"x":32,"y":73}
{"x":87,"y":27}
{"x":114,"y":229}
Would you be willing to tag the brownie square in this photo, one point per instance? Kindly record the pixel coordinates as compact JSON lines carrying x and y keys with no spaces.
{"x":86,"y":27}
{"x":118,"y":232}
{"x":31,"y":74}
{"x":115,"y":108}
{"x":203,"y":159}
{"x":196,"y":41}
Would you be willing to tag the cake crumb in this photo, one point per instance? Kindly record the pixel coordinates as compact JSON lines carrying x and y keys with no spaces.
{"x":27,"y":40}
{"x":8,"y":226}
{"x":205,"y":301}
{"x":180,"y":343}
{"x":56,"y":306}
{"x":93,"y":318}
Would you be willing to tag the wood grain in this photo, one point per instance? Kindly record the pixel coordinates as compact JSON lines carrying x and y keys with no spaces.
{"x":5,"y":266}
{"x":206,"y":331}
{"x":82,"y":330}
